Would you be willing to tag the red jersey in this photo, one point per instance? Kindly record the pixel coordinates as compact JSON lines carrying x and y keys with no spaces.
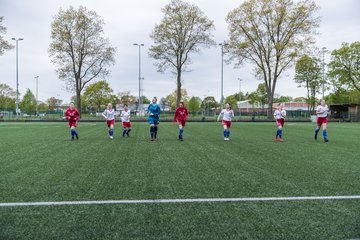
{"x":72,"y":114}
{"x":181,"y":114}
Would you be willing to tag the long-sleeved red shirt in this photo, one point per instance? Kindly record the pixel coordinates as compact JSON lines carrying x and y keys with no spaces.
{"x":72,"y":114}
{"x":181,"y":114}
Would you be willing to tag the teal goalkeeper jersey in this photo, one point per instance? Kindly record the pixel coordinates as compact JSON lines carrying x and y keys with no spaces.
{"x":154,"y":109}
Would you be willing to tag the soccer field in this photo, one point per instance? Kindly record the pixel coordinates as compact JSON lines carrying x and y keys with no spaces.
{"x":40,"y":165}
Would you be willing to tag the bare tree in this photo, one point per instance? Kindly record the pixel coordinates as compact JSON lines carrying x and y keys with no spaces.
{"x":78,"y":48}
{"x":271,"y":34}
{"x":182,"y":31}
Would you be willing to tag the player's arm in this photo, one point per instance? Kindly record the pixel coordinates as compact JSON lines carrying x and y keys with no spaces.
{"x":175,"y":115}
{"x":104,"y":114}
{"x":219,"y":116}
{"x":77,"y":115}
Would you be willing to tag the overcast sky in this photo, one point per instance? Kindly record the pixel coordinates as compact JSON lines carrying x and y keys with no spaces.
{"x":131,"y":21}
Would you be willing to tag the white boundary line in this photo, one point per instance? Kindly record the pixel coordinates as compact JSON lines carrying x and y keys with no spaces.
{"x":186,"y":200}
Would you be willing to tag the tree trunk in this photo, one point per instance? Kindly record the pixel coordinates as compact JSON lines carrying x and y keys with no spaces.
{"x":270,"y":107}
{"x":78,"y":100}
{"x":178,"y":87}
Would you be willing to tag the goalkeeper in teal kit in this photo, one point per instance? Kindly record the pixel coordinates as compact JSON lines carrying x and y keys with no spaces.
{"x":153,"y":118}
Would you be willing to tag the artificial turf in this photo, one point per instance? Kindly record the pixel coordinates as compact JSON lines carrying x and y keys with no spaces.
{"x":39,"y":163}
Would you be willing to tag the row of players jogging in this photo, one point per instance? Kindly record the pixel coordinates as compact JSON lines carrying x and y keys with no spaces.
{"x":181,"y":116}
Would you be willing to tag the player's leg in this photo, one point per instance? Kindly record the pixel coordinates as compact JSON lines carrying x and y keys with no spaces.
{"x":111,"y":130}
{"x":155,"y":129}
{"x":228,"y":130}
{"x":124,"y":129}
{"x":180,"y":131}
{"x":324,"y":132}
{"x":317,"y":128}
{"x":74,"y":132}
{"x":225,"y":131}
{"x":152,"y":129}
{"x":128,"y":126}
{"x":281,"y":126}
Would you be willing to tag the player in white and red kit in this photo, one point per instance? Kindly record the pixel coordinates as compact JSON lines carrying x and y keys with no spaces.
{"x":228,"y":115}
{"x":180,"y":116}
{"x":322,"y":113}
{"x":72,"y":115}
{"x":279,"y":116}
{"x":109,"y":115}
{"x":125,"y":118}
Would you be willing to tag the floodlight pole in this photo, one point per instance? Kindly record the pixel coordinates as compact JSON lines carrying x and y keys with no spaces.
{"x":37,"y":95}
{"x":17,"y":75}
{"x":323,"y":72}
{"x":222,"y":74}
{"x":139,"y":45}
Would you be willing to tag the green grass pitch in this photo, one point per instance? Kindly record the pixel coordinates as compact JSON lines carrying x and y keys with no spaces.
{"x":39,"y":163}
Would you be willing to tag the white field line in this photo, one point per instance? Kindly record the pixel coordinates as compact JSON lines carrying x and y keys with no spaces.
{"x":186,"y":200}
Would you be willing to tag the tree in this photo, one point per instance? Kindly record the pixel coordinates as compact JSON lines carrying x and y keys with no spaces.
{"x":7,"y":97}
{"x":232,"y":100}
{"x":344,"y":67}
{"x":4,"y":45}
{"x":98,"y":94}
{"x":183,"y":30}
{"x":43,"y":107}
{"x":343,"y":96}
{"x":194,"y":104}
{"x":270,"y":34}
{"x":308,"y":75}
{"x":209,"y":103}
{"x":283,"y":99}
{"x":53,"y":103}
{"x":299,"y":99}
{"x":126,"y":98}
{"x":172,"y":98}
{"x":145,"y":100}
{"x":164,"y":103}
{"x":28,"y":103}
{"x":78,"y":48}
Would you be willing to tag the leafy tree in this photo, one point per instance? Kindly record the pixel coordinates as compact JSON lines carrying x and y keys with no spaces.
{"x":145,"y":100}
{"x":308,"y":75}
{"x":194,"y":104}
{"x":183,"y":30}
{"x":172,"y":98}
{"x":7,"y":97}
{"x":232,"y":100}
{"x":126,"y":98}
{"x":343,"y":96}
{"x":270,"y":34}
{"x":43,"y":107}
{"x":78,"y":48}
{"x":53,"y":103}
{"x":98,"y":94}
{"x":344,"y":67}
{"x":209,"y":103}
{"x":283,"y":99}
{"x":28,"y":103}
{"x":4,"y":45}
{"x":299,"y":99}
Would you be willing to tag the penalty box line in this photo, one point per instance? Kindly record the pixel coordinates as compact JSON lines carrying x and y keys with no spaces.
{"x":186,"y":200}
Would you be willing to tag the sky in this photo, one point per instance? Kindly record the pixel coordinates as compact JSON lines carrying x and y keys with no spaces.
{"x":132,"y":21}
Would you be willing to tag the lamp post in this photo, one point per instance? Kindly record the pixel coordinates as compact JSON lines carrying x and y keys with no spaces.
{"x":323,"y":72}
{"x":240,"y":88}
{"x":222,"y":74}
{"x":240,"y":94}
{"x":37,"y":95}
{"x":17,"y":75}
{"x":139,"y":45}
